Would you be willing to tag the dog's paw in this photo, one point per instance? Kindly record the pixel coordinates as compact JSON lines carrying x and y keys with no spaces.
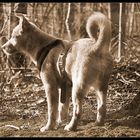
{"x":45,"y":128}
{"x":70,"y":127}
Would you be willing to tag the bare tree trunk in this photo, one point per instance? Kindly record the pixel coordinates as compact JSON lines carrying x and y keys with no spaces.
{"x":9,"y":20}
{"x":131,"y":19}
{"x":117,"y":25}
{"x":78,"y":20}
{"x":109,"y":11}
{"x":2,"y":20}
{"x":54,"y":21}
{"x":124,"y":19}
{"x":67,"y":19}
{"x":114,"y":16}
{"x":59,"y":17}
{"x":120,"y":33}
{"x":63,"y":20}
{"x":33,"y":12}
{"x":1,"y":16}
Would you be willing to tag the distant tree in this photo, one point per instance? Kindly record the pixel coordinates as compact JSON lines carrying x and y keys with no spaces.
{"x":1,"y":18}
{"x":115,"y":18}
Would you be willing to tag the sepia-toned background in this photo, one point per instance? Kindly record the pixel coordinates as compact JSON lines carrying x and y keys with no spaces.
{"x":22,"y":98}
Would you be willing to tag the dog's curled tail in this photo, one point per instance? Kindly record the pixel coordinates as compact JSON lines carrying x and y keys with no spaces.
{"x":98,"y":28}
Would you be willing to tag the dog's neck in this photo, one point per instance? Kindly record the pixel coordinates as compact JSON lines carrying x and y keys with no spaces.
{"x":33,"y":48}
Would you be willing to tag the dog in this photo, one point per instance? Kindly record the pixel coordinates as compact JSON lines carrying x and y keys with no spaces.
{"x":86,"y":63}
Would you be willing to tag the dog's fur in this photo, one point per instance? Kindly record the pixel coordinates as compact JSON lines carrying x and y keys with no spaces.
{"x":88,"y":65}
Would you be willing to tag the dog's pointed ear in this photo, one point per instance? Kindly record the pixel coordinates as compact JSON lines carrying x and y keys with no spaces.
{"x":23,"y":21}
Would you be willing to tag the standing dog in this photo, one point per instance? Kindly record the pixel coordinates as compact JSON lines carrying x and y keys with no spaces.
{"x":87,"y":64}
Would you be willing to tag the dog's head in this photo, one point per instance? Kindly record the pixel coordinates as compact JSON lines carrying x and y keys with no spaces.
{"x":27,"y":38}
{"x":20,"y":35}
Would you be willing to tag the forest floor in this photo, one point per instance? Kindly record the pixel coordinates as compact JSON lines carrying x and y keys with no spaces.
{"x":23,"y":108}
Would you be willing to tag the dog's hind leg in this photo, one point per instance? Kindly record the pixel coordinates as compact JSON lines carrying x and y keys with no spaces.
{"x":77,"y":97}
{"x":52,"y":101}
{"x":101,"y":92}
{"x":101,"y":107}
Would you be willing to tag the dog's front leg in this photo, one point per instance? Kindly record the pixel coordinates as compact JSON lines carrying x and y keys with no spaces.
{"x":52,"y":101}
{"x":77,"y":97}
